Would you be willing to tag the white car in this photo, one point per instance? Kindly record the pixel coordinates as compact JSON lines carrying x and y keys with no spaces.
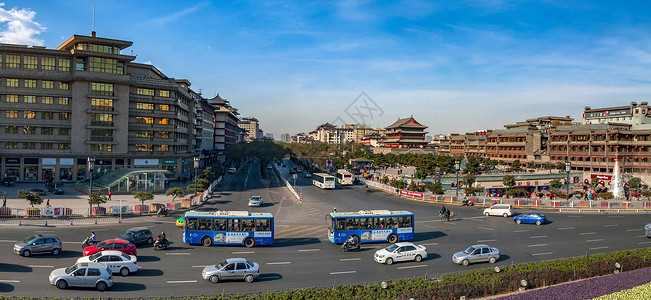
{"x":232,"y":170}
{"x":308,"y":175}
{"x":400,"y":252}
{"x":115,"y":261}
{"x":255,"y":201}
{"x":505,"y":210}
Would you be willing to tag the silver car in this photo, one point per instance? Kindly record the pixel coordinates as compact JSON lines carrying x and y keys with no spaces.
{"x":232,"y":268}
{"x":647,"y":230}
{"x":255,"y":201}
{"x":88,"y":274}
{"x":476,"y":253}
{"x":38,"y":243}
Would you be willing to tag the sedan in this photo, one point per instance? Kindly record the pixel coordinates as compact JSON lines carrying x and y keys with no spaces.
{"x":180,"y":222}
{"x":531,"y":218}
{"x":476,"y":253}
{"x":82,"y":274}
{"x":38,"y":192}
{"x":255,"y":201}
{"x":232,"y":268}
{"x":115,"y":261}
{"x":400,"y":252}
{"x":308,"y":175}
{"x":112,"y":244}
{"x":647,"y":230}
{"x":138,"y":236}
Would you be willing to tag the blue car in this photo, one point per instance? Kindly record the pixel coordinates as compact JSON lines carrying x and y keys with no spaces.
{"x":531,"y":218}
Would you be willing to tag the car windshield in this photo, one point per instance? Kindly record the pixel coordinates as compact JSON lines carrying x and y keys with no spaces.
{"x":129,"y":233}
{"x":469,"y":250}
{"x":127,"y":256}
{"x":71,"y":269}
{"x":100,"y":245}
{"x":542,"y":216}
{"x":221,"y":265}
{"x":392,"y":248}
{"x":95,"y":256}
{"x":30,"y":239}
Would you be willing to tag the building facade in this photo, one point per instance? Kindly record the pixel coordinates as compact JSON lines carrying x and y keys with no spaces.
{"x":405,"y":133}
{"x":252,"y":127}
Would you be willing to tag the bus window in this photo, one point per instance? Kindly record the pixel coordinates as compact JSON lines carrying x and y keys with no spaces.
{"x":380,"y":223}
{"x":367,"y":223}
{"x":205,"y":224}
{"x":391,"y":223}
{"x":247,"y":225}
{"x":219,"y":224}
{"x":192,"y":224}
{"x":341,"y":224}
{"x":261,"y":225}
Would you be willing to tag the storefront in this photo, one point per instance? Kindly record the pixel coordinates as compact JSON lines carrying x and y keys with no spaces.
{"x":30,"y":169}
{"x":169,"y":164}
{"x":12,"y":167}
{"x":48,"y":169}
{"x":66,"y":166}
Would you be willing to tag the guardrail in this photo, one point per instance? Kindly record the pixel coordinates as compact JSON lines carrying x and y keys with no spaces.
{"x":289,"y":186}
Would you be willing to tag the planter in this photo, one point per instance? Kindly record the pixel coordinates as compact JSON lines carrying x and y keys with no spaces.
{"x":98,"y":211}
{"x":539,"y":203}
{"x":173,"y":205}
{"x":186,"y":203}
{"x":139,"y":209}
{"x":626,"y":204}
{"x":155,"y":206}
{"x":33,"y":212}
{"x":584,"y":204}
{"x":448,"y":199}
{"x":518,"y":202}
{"x":5,"y":211}
{"x":496,"y":201}
{"x":605,"y":204}
{"x":556,"y":203}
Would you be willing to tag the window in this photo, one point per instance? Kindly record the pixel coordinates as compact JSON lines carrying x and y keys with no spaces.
{"x":13,"y":61}
{"x":145,"y":134}
{"x":164,"y":121}
{"x":97,"y":48}
{"x":11,"y":98}
{"x":30,"y":62}
{"x":145,"y":92}
{"x":11,"y":145}
{"x":64,"y":86}
{"x":47,"y":63}
{"x":164,"y":93}
{"x":47,"y":130}
{"x":11,"y":129}
{"x":29,"y":145}
{"x":12,"y":82}
{"x":47,"y":100}
{"x":101,"y":104}
{"x":63,"y":146}
{"x":47,"y":84}
{"x":164,"y":107}
{"x":102,"y":89}
{"x":64,"y":101}
{"x":46,"y":146}
{"x":64,"y":131}
{"x":101,"y":135}
{"x":144,"y":120}
{"x":29,"y":130}
{"x":29,"y":114}
{"x":101,"y":119}
{"x":164,"y":134}
{"x":29,"y":99}
{"x":64,"y":116}
{"x":64,"y":64}
{"x":80,"y":64}
{"x":47,"y":115}
{"x":106,"y":65}
{"x":147,"y":106}
{"x":11,"y":114}
{"x":142,"y":147}
{"x":30,"y":83}
{"x":164,"y":148}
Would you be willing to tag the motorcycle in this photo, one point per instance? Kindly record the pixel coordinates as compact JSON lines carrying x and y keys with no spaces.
{"x":161,"y":243}
{"x":348,"y":246}
{"x":445,"y":216}
{"x":162,"y":212}
{"x":87,"y":242}
{"x":467,"y":202}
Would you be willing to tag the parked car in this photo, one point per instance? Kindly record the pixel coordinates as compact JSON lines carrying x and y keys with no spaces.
{"x":476,"y":253}
{"x":112,"y":244}
{"x":531,"y":218}
{"x":114,"y":261}
{"x":232,"y":170}
{"x":505,"y":210}
{"x":38,"y":192}
{"x":56,"y":188}
{"x":400,"y":252}
{"x":38,"y":244}
{"x":255,"y":201}
{"x":232,"y":268}
{"x":88,"y":274}
{"x":138,"y":236}
{"x":8,"y":181}
{"x":308,"y":175}
{"x":647,"y":230}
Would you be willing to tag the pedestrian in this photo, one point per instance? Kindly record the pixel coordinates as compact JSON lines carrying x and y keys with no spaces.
{"x":109,"y":194}
{"x":4,"y":200}
{"x":48,"y":202}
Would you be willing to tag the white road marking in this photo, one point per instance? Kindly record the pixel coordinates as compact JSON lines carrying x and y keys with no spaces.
{"x":597,"y":240}
{"x":638,"y":229}
{"x":545,"y":253}
{"x":426,"y":221}
{"x":485,"y":228}
{"x":611,"y":225}
{"x":8,"y":241}
{"x":181,"y":281}
{"x":575,"y":216}
{"x":566,"y":228}
{"x":597,"y":248}
{"x":44,"y":231}
{"x":641,"y":236}
{"x":182,"y":253}
{"x":521,"y":230}
{"x":429,"y":244}
{"x":308,"y":250}
{"x":72,"y":242}
{"x":199,"y":266}
{"x":537,"y":245}
{"x":537,"y":236}
{"x":642,"y":243}
{"x":280,"y":263}
{"x":39,"y":266}
{"x":343,"y":272}
{"x":243,"y":252}
{"x":483,"y":241}
{"x":616,"y":217}
{"x":411,"y":267}
{"x":478,"y":220}
{"x":585,"y":233}
{"x":349,"y":259}
{"x":9,"y":281}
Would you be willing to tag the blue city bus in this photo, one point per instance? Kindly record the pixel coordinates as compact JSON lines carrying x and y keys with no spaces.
{"x":371,"y":226}
{"x":228,"y":228}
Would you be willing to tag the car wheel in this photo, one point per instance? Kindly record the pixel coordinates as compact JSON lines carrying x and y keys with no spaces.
{"x":248,"y":278}
{"x":538,"y":222}
{"x":124,"y":272}
{"x":214,"y":278}
{"x":206,"y":241}
{"x":101,"y":286}
{"x":249,"y":242}
{"x":62,"y":284}
{"x":393,"y":239}
{"x":505,"y":215}
{"x":487,"y":214}
{"x":465,"y":262}
{"x":491,"y":260}
{"x":389,"y":261}
{"x":518,"y":221}
{"x":56,"y":251}
{"x":418,"y":258}
{"x":27,"y":253}
{"x":150,"y":241}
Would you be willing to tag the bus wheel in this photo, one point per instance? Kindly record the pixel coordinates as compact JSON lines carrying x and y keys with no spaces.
{"x":393,"y":239}
{"x":206,"y":241}
{"x":249,"y":242}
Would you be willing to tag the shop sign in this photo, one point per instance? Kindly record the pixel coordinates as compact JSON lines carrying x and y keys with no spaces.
{"x":169,"y":161}
{"x":49,"y":161}
{"x":145,"y":162}
{"x":66,"y":161}
{"x":12,"y":161}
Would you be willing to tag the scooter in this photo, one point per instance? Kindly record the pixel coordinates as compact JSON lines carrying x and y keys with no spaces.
{"x":162,"y":212}
{"x":161,"y":244}
{"x":87,"y":242}
{"x":347,"y":246}
{"x":467,"y":202}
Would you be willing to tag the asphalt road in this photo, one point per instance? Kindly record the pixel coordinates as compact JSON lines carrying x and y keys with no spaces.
{"x":301,"y":255}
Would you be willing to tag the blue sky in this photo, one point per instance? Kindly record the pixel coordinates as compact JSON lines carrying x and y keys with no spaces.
{"x":456,"y":66}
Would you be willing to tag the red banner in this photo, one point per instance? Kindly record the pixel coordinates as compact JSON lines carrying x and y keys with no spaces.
{"x":602,"y":177}
{"x":410,"y":193}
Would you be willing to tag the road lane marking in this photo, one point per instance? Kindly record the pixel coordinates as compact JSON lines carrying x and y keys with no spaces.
{"x":349,"y":259}
{"x":280,"y":263}
{"x":429,"y":244}
{"x":9,"y":281}
{"x":616,"y":217}
{"x":243,"y":252}
{"x":641,"y":236}
{"x":478,"y":220}
{"x":537,"y":245}
{"x":566,"y":228}
{"x":597,"y":240}
{"x":637,"y":229}
{"x":182,"y":253}
{"x":39,"y":266}
{"x":308,"y":250}
{"x":8,"y":241}
{"x":537,"y":236}
{"x":294,"y":232}
{"x":72,"y":242}
{"x":642,"y":243}
{"x":343,"y":272}
{"x":575,"y":216}
{"x":483,"y":241}
{"x":521,"y":230}
{"x":585,"y":233}
{"x":544,"y":253}
{"x":485,"y":228}
{"x":181,"y":281}
{"x":289,"y":227}
{"x":199,"y":266}
{"x":411,"y":267}
{"x":597,"y":248}
{"x":44,"y":231}
{"x":611,"y":225}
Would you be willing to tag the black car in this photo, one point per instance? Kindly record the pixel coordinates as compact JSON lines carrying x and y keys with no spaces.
{"x":8,"y":181}
{"x":56,"y":188}
{"x":138,"y":236}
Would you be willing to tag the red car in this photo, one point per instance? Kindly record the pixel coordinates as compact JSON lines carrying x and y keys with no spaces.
{"x":113,"y":244}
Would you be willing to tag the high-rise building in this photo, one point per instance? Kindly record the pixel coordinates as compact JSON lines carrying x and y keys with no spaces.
{"x":285,"y":137}
{"x":252,"y":127}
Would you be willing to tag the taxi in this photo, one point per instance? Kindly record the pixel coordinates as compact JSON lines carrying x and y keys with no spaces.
{"x":400,"y":252}
{"x":180,"y":222}
{"x":114,"y":261}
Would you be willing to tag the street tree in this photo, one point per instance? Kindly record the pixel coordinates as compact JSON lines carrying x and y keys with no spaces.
{"x":33,"y":198}
{"x":96,"y":199}
{"x":469,"y":179}
{"x":508,"y":180}
{"x":143,"y":196}
{"x":556,"y":184}
{"x":175,"y":192}
{"x":635,"y":183}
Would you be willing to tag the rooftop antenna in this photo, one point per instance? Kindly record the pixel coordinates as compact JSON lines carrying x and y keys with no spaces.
{"x":92,"y":33}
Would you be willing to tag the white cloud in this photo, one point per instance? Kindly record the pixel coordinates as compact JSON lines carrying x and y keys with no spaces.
{"x":21,"y":27}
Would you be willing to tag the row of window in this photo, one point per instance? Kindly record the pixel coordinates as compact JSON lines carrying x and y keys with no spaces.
{"x":150,"y":120}
{"x":33,"y":83}
{"x":30,"y":114}
{"x":149,"y":148}
{"x":211,"y":224}
{"x":31,"y":62}
{"x":32,"y":130}
{"x":35,"y":99}
{"x":97,"y":48}
{"x":43,"y":146}
{"x":150,"y":134}
{"x":373,"y":223}
{"x":151,"y":92}
{"x":150,"y":106}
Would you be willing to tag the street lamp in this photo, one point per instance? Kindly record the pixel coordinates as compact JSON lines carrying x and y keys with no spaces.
{"x":456,"y":169}
{"x":91,"y":165}
{"x":568,"y":168}
{"x":196,"y":175}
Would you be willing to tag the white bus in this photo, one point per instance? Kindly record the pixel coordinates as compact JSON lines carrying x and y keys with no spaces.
{"x":323,"y":180}
{"x":344,"y":177}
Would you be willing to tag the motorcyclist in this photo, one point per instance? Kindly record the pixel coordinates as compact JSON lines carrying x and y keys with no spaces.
{"x":443,"y":210}
{"x":162,"y":211}
{"x":334,"y":210}
{"x":93,"y":238}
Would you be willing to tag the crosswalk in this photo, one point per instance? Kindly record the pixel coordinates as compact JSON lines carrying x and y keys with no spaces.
{"x":302,"y":231}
